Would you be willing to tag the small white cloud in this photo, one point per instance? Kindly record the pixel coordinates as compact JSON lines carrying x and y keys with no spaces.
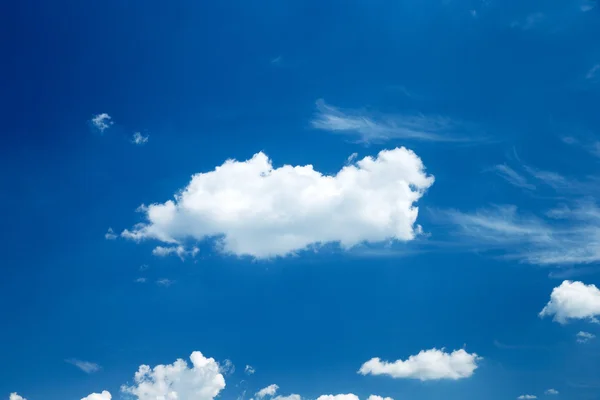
{"x":110,"y":234}
{"x":144,"y":267}
{"x":251,"y":208}
{"x":85,"y":366}
{"x":139,"y":139}
{"x":573,"y":300}
{"x":102,"y":122}
{"x":249,"y":370}
{"x":203,"y":381}
{"x":372,"y":129}
{"x":267,"y":391}
{"x":584,"y":337}
{"x":15,"y":396}
{"x":180,"y":251}
{"x":375,"y":397}
{"x":551,"y":392}
{"x":526,"y":397}
{"x":164,"y":282}
{"x":140,"y":280}
{"x":289,"y":397}
{"x":348,"y":396}
{"x":592,"y":72}
{"x":430,"y":364}
{"x":105,"y":395}
{"x":227,"y":367}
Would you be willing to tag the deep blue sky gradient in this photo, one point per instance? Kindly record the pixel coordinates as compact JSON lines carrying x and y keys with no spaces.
{"x":199,"y":78}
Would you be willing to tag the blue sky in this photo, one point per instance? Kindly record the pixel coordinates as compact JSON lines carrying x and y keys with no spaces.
{"x":345,"y":198}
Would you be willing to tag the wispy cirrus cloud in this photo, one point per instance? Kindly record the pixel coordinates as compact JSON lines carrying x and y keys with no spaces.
{"x":512,"y":176}
{"x":593,"y":72}
{"x":573,"y":237}
{"x":380,"y":128}
{"x":564,"y":234}
{"x":85,"y":366}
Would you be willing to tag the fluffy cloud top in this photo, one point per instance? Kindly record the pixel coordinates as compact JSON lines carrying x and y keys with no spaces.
{"x":573,"y":300}
{"x":99,"y":396}
{"x":348,"y":396}
{"x":139,"y":139}
{"x":584,"y":337}
{"x":102,"y":121}
{"x":267,"y":391}
{"x":14,"y":396}
{"x":255,"y":209}
{"x":202,"y":381}
{"x":551,"y":391}
{"x":430,"y":364}
{"x":375,"y":397}
{"x":526,"y":397}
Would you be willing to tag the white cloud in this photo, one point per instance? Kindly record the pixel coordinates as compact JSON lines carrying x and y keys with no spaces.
{"x":512,"y":176}
{"x":110,"y":234}
{"x":567,"y":236}
{"x":573,"y":300}
{"x":348,"y":396}
{"x":85,"y":366}
{"x":139,"y":139}
{"x":289,"y":397}
{"x":165,"y":282}
{"x":249,"y":370}
{"x":372,"y":129}
{"x":202,"y":381}
{"x":551,"y":392}
{"x":180,"y":251}
{"x":15,"y":396}
{"x":375,"y":397}
{"x":584,"y":337}
{"x":530,"y":22}
{"x":227,"y":367}
{"x":430,"y":364}
{"x":140,"y":280}
{"x":526,"y":397}
{"x":252,"y":208}
{"x":591,"y":74}
{"x":587,"y":5}
{"x":105,"y":395}
{"x":267,"y":391}
{"x":101,"y":122}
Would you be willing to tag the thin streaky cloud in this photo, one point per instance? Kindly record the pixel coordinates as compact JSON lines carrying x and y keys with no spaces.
{"x":164,"y":282}
{"x":85,"y":366}
{"x":370,"y":128}
{"x":591,"y":74}
{"x":506,"y":346}
{"x":512,"y":176}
